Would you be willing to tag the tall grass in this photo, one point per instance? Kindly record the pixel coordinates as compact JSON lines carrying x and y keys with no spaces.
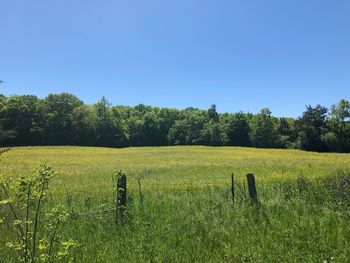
{"x":187,"y":214}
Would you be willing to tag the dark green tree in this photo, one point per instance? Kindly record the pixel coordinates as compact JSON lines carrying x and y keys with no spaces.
{"x":263,"y":132}
{"x":178,"y":133}
{"x":58,"y":115}
{"x":288,"y":134}
{"x":23,"y":115}
{"x":212,"y":113}
{"x":135,"y":128}
{"x":311,"y":125}
{"x":238,"y":130}
{"x":84,"y":125}
{"x":110,"y":128}
{"x":121,"y":133}
{"x":151,"y":133}
{"x":188,"y":129}
{"x":211,"y":134}
{"x":167,"y":118}
{"x":337,"y":137}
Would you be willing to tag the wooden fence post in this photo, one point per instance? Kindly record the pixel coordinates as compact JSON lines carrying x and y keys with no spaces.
{"x":233,"y":187}
{"x":121,"y":196}
{"x":252,"y":188}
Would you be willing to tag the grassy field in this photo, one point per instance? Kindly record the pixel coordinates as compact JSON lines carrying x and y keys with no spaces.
{"x":187,"y":214}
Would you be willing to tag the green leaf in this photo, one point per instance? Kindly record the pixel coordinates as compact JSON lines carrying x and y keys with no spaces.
{"x":6,"y":201}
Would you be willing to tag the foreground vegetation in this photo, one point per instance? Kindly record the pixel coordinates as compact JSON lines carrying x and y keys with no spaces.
{"x":63,"y":119}
{"x":187,"y":214}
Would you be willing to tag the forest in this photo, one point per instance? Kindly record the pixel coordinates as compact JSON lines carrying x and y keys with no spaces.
{"x":64,"y":119}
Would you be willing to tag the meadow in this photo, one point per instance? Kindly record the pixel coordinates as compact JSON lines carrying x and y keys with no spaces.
{"x":187,"y":213}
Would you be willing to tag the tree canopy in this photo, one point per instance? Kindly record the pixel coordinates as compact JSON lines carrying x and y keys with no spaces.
{"x":63,"y":119}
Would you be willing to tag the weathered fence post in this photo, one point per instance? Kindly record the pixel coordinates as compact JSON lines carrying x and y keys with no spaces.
{"x":233,"y":187}
{"x":252,"y":188}
{"x":121,"y":196}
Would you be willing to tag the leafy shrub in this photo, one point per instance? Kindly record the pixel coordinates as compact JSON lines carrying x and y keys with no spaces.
{"x":37,"y":233}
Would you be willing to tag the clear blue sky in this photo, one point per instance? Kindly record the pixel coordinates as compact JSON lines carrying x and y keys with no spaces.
{"x":240,"y":55}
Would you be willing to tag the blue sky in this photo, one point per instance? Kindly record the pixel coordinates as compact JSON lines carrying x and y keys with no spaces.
{"x":240,"y":55}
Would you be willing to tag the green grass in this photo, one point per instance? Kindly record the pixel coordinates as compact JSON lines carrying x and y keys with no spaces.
{"x":187,"y":214}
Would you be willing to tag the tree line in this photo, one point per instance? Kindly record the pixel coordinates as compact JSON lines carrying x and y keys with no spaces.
{"x":63,"y":119}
